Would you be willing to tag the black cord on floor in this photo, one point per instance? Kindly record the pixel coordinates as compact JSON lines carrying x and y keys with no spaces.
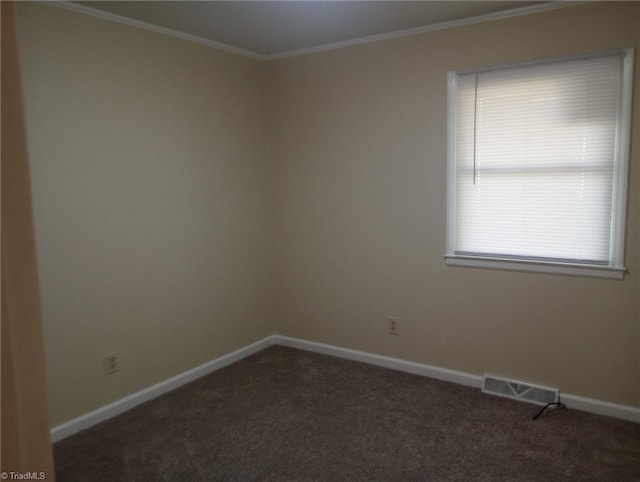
{"x":558,"y":404}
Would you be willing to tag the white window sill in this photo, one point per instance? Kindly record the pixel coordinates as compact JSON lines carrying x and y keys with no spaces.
{"x":536,"y":266}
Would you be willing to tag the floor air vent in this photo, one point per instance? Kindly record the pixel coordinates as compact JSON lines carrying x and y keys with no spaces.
{"x":526,"y":392}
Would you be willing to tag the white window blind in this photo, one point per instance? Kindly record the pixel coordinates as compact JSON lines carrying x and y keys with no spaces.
{"x":539,"y":162}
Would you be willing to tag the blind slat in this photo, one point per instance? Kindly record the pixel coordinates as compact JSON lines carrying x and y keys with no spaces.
{"x":535,"y":149}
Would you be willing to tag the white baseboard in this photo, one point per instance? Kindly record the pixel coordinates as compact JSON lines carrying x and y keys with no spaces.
{"x":601,"y":407}
{"x":101,"y":414}
{"x":383,"y":361}
{"x":87,"y":420}
{"x":591,"y":405}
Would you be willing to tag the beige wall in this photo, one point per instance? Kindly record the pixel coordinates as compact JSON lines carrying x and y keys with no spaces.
{"x":152,"y":200}
{"x":165,"y":174}
{"x":361,"y":169}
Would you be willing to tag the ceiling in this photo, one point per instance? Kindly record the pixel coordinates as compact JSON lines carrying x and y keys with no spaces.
{"x":275,"y":28}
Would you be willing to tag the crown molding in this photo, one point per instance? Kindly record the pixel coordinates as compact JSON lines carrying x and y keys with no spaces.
{"x":94,"y":12}
{"x":543,"y":7}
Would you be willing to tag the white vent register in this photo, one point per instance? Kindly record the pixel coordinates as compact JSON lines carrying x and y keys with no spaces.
{"x":519,"y":390}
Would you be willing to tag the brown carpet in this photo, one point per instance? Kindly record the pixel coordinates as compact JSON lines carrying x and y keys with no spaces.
{"x":285,"y":414}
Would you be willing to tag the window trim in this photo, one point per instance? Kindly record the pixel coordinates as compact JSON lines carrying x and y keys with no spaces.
{"x":615,"y":269}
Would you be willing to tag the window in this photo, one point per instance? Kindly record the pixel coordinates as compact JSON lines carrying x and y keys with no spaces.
{"x":538,"y":157}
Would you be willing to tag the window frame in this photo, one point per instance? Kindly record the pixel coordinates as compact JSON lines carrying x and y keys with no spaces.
{"x":615,"y":269}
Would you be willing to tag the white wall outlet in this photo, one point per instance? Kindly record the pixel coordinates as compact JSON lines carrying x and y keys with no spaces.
{"x":393,"y":325}
{"x":110,"y":360}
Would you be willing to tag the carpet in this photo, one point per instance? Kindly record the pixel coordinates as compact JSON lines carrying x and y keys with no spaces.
{"x":290,"y":415}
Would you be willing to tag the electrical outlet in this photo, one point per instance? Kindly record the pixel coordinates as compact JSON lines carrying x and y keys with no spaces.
{"x":393,"y":326}
{"x":110,"y":360}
